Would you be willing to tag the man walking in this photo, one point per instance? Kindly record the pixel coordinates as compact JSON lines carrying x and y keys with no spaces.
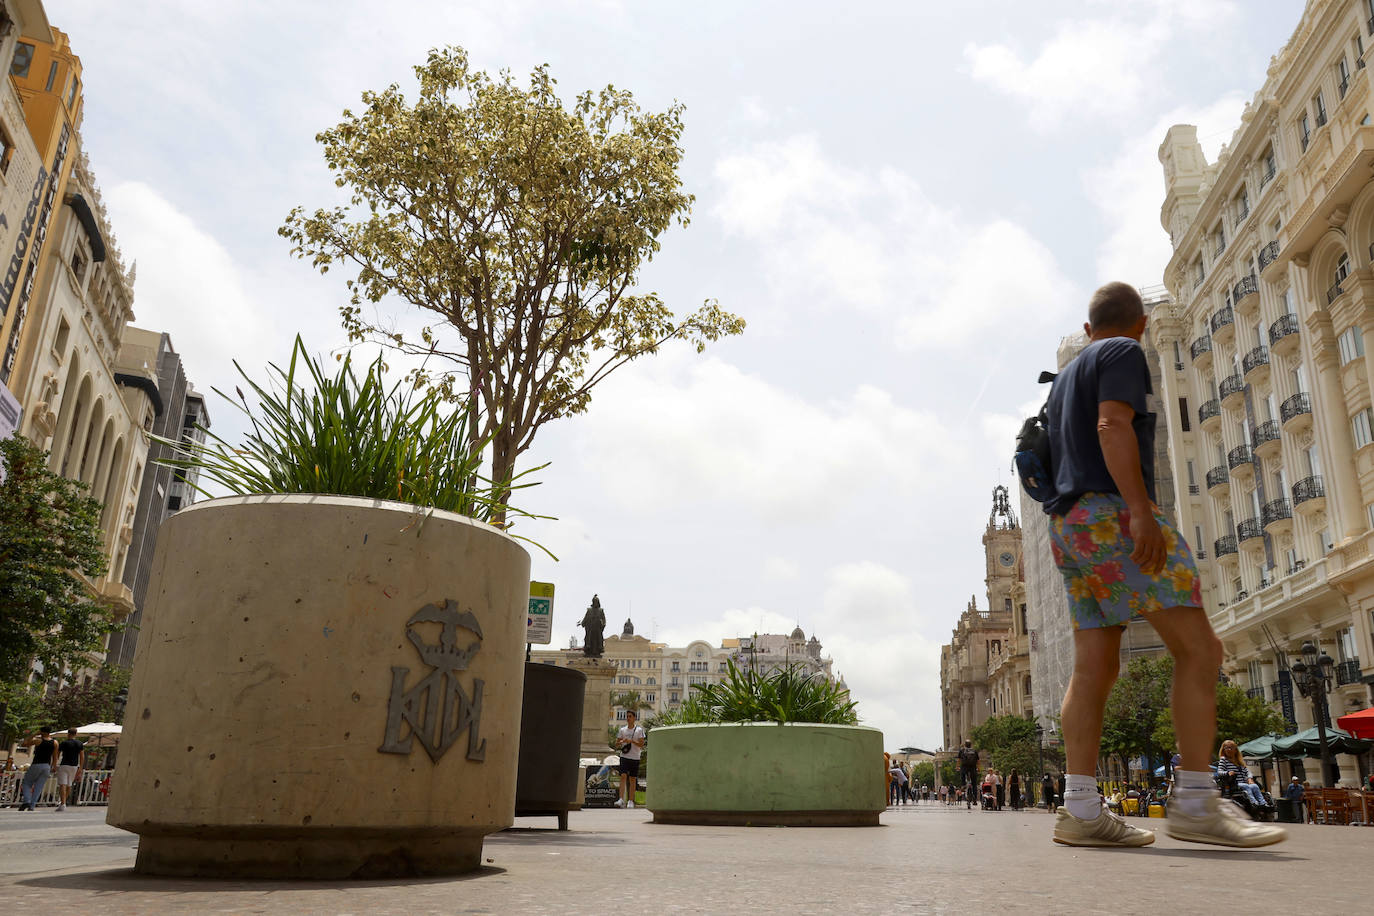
{"x":630,"y":740}
{"x":71,"y":760}
{"x":968,"y":771}
{"x":1120,"y":557}
{"x":36,"y":776}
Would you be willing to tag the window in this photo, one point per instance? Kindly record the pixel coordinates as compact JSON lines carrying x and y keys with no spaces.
{"x":1242,"y":205}
{"x":1199,"y":272}
{"x":1345,"y":645}
{"x":1305,"y":131}
{"x":174,"y":504}
{"x":649,"y":698}
{"x":1319,"y":106}
{"x":1198,"y":540}
{"x":723,"y":668}
{"x":71,"y":96}
{"x":1270,"y":167}
{"x":675,"y":667}
{"x":672,"y":696}
{"x":1290,"y":308}
{"x":78,"y":265}
{"x":1343,"y":75}
{"x":23,"y":59}
{"x":59,"y":341}
{"x":1324,"y":544}
{"x":651,"y":681}
{"x":1369,"y":514}
{"x":52,"y":77}
{"x":1362,"y":425}
{"x":1342,"y":270}
{"x":1183,"y":414}
{"x":1255,"y":671}
{"x":1351,"y":344}
{"x":1218,"y":241}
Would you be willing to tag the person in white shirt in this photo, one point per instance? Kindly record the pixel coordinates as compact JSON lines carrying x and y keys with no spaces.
{"x":630,"y":741}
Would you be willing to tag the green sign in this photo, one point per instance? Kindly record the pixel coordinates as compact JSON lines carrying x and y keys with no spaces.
{"x":539,"y":623}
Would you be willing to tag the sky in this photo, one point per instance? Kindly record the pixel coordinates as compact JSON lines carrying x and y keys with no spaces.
{"x":909,"y":203}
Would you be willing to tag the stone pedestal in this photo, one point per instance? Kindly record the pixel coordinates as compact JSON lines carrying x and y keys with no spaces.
{"x":596,"y":704}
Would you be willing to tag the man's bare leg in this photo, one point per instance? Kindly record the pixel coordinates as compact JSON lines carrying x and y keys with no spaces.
{"x":1188,"y":635}
{"x":1096,"y":664}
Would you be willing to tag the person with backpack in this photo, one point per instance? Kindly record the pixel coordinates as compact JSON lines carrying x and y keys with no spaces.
{"x":1121,"y":558}
{"x":968,"y":770}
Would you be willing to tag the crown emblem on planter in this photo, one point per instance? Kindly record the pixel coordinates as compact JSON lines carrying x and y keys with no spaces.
{"x":446,"y":656}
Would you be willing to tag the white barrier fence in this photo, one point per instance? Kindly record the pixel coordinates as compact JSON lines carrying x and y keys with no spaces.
{"x":93,"y":788}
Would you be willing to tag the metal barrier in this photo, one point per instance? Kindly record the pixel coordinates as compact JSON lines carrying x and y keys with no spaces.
{"x":93,"y":788}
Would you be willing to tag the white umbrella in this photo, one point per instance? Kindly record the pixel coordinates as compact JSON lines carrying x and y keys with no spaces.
{"x":100,"y":728}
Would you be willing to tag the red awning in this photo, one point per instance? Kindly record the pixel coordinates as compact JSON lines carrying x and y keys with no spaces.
{"x":1360,"y":724}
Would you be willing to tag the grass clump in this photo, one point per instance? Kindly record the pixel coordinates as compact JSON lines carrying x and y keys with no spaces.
{"x":789,"y":694}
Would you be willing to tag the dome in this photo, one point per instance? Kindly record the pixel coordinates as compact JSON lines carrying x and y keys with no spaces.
{"x":798,"y":634}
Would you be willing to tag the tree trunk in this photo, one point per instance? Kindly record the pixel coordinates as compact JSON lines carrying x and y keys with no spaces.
{"x":503,"y":456}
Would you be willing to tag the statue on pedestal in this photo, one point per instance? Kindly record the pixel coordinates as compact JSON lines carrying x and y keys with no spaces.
{"x":594,"y":622}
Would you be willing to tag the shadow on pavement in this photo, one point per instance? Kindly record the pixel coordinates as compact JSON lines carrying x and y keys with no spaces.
{"x":1231,"y":855}
{"x":126,"y":879}
{"x":532,"y":836}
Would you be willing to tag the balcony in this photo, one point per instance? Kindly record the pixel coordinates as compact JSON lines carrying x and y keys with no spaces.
{"x":1249,"y":529}
{"x":1275,"y":694}
{"x":1220,"y":249}
{"x":1283,"y":334}
{"x":1277,"y":516}
{"x":1321,"y":118}
{"x":1241,"y":461}
{"x":1296,"y":412}
{"x":1269,"y":253}
{"x":1209,"y":410}
{"x":1348,"y":672}
{"x":1309,"y":493}
{"x":1335,"y":292}
{"x":1255,"y":693}
{"x":1267,"y":177}
{"x":1232,"y":389}
{"x":1306,"y":139}
{"x":1241,"y":293}
{"x":1265,"y":438}
{"x":1255,"y":365}
{"x":1223,"y":324}
{"x":1218,"y":477}
{"x":1344,"y":86}
{"x":1225,"y":546}
{"x":1201,"y":348}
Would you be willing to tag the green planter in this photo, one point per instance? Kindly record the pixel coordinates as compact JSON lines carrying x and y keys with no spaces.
{"x":766,"y":774}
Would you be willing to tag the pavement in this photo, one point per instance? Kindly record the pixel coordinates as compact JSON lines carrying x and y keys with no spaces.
{"x":925,"y":858}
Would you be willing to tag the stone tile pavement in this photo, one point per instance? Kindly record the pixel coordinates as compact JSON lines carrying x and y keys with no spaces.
{"x":924,"y":858}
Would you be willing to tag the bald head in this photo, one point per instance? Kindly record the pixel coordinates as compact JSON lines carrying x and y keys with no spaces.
{"x":1117,"y":307}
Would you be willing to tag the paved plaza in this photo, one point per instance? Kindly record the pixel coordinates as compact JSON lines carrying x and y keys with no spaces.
{"x":923,"y":859}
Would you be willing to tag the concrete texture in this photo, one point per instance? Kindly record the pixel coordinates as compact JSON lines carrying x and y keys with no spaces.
{"x":924,"y":859}
{"x":266,"y":680}
{"x":797,"y":774}
{"x":596,"y":704}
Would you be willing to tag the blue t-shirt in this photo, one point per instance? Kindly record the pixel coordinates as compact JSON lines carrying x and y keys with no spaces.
{"x":1113,"y":369}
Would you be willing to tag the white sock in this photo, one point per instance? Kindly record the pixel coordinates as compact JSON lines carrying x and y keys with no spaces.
{"x":1193,"y":779}
{"x":1080,"y":796}
{"x":1194,"y":789}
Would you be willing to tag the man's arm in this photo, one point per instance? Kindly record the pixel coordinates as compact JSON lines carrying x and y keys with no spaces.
{"x":1121,"y":451}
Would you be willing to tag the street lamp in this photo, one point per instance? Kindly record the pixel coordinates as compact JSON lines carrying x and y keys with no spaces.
{"x":1312,"y":674}
{"x":1040,"y":748}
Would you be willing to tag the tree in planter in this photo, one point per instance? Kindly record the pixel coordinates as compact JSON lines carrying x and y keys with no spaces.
{"x":518,"y":227}
{"x":49,"y":538}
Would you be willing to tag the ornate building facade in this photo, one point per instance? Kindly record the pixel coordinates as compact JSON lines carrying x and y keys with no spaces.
{"x":1271,"y":414}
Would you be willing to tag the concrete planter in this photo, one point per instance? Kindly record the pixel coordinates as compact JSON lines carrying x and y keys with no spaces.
{"x":324,"y":687}
{"x":766,"y":774}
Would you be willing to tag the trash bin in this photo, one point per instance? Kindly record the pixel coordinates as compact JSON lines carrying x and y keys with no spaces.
{"x":1287,"y":811}
{"x":1156,"y":810}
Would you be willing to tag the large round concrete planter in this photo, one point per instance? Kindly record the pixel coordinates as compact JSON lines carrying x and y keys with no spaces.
{"x":324,"y":687}
{"x":550,"y":735}
{"x":766,"y":774}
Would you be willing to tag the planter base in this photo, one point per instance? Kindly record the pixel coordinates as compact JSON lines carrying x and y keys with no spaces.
{"x":769,"y":818}
{"x":341,"y":854}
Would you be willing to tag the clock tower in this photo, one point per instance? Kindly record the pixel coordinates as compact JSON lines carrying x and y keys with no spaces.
{"x":1002,"y":548}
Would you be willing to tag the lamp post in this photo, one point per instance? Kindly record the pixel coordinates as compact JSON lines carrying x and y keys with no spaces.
{"x":1312,"y":674}
{"x":1040,"y":749}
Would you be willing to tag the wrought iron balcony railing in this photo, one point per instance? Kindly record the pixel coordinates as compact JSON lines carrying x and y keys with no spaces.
{"x":1299,"y":403}
{"x":1244,"y":287}
{"x":1200,"y":346}
{"x":1218,"y":476}
{"x":1275,"y":510}
{"x":1348,"y":672}
{"x":1208,"y":410}
{"x":1268,"y":431}
{"x":1287,"y":324}
{"x":1226,"y":544}
{"x":1268,"y":176}
{"x":1269,"y":253}
{"x":1220,"y":249}
{"x":1240,"y":455}
{"x":1254,"y":359}
{"x":1249,"y":528}
{"x":1308,"y":488}
{"x":1232,"y":384}
{"x":1334,"y":292}
{"x":1274,"y":692}
{"x":1255,"y":693}
{"x":1321,"y":118}
{"x":1222,"y":318}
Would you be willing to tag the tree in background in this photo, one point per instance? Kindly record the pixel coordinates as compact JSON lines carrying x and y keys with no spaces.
{"x":1010,"y":741}
{"x":49,"y":538}
{"x":518,"y":226}
{"x":1139,"y":701}
{"x":75,"y":704}
{"x":21,"y":713}
{"x":1240,"y":717}
{"x":630,"y":700}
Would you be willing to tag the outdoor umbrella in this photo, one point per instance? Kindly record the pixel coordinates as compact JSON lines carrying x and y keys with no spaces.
{"x":1261,"y":748}
{"x":1159,"y":770}
{"x":1308,"y":744}
{"x":1360,"y":724}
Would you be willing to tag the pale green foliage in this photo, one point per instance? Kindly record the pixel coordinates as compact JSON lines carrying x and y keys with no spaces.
{"x":788,"y":694}
{"x":518,"y":226}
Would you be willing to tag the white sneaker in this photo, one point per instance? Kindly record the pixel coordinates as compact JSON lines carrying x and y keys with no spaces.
{"x":620,"y":803}
{"x":1222,"y":823}
{"x":630,"y":805}
{"x":61,"y":807}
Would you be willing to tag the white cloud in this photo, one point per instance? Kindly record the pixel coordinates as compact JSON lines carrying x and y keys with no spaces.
{"x":1129,"y":190}
{"x":834,"y":236}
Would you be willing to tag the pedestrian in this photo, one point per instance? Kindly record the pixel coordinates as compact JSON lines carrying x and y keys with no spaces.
{"x":1121,"y":558}
{"x":71,"y":760}
{"x":897,"y":791}
{"x":968,"y":770}
{"x":36,"y":776}
{"x":630,"y":739}
{"x":944,"y":794}
{"x":1294,"y":793}
{"x":1014,"y":789}
{"x":994,"y":782}
{"x":1047,"y":792}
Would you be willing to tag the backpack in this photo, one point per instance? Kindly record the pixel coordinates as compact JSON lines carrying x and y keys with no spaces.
{"x":1033,"y":462}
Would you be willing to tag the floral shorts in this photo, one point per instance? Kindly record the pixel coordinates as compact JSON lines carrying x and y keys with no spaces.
{"x":1092,"y":548}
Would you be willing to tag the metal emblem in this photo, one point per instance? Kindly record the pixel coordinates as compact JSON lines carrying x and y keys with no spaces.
{"x":436,"y":711}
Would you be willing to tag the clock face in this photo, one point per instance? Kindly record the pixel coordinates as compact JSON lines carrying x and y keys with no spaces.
{"x":1007,"y":558}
